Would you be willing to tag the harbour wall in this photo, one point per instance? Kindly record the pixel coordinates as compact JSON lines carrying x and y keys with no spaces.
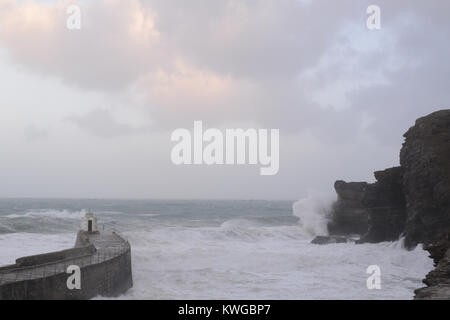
{"x":106,"y":275}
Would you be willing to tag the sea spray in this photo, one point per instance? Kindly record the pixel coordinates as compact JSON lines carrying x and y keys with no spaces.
{"x":313,"y":212}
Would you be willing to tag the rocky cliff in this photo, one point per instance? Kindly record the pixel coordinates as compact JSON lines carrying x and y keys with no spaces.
{"x":438,"y":280}
{"x":349,"y":216}
{"x":411,"y":200}
{"x":375,"y":211}
{"x":385,"y":203}
{"x":425,"y":158}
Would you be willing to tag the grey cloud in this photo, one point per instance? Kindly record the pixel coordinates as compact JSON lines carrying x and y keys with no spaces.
{"x":34,"y":133}
{"x":252,"y":39}
{"x":263,"y":46}
{"x":101,"y":123}
{"x":269,"y":45}
{"x":116,"y":43}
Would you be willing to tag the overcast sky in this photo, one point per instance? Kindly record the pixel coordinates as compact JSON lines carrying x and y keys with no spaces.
{"x":89,"y":113}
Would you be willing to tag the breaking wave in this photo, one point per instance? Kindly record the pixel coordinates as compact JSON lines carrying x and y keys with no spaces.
{"x":60,"y":214}
{"x":313,"y":212}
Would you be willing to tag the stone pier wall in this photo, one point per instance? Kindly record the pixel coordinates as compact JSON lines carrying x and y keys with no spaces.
{"x":100,"y":276}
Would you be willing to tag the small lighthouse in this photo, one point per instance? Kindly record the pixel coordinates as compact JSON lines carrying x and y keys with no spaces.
{"x":89,"y":223}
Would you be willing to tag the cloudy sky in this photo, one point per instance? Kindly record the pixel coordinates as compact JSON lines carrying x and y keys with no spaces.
{"x":89,"y":112}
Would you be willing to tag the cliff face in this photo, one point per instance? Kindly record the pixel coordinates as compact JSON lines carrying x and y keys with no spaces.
{"x":425,"y":158}
{"x":374,"y":210}
{"x":386,"y":206}
{"x":349,"y":214}
{"x":413,"y":199}
{"x":438,"y":280}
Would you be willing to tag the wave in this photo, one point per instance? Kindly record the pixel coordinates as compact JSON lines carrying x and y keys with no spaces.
{"x":60,"y":214}
{"x":313,"y":212}
{"x":20,"y":244}
{"x":149,"y":214}
{"x":245,"y":260}
{"x":232,"y":231}
{"x":241,"y":222}
{"x":6,"y":229}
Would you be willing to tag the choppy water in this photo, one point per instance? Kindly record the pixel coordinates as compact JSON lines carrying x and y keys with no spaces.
{"x":219,"y":249}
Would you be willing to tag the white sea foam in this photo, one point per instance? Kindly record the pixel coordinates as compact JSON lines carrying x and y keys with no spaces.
{"x":60,"y":214}
{"x":269,"y":263}
{"x":244,"y":260}
{"x":16,"y":245}
{"x":4,"y":227}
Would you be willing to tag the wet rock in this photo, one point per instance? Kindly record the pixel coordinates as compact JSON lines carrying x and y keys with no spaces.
{"x":386,"y":206}
{"x":425,"y":158}
{"x":439,"y":248}
{"x":439,"y":292}
{"x":349,"y":216}
{"x":329,"y":240}
{"x":437,"y":280}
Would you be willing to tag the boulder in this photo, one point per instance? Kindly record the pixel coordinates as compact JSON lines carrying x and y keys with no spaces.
{"x":328,"y":240}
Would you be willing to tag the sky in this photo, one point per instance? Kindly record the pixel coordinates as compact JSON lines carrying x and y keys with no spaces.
{"x":89,"y":113}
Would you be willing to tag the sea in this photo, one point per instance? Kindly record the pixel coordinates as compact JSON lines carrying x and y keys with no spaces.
{"x":220,"y":249}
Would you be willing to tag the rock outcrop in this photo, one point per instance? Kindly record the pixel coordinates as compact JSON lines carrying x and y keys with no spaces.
{"x":349,"y":215}
{"x":413,"y":199}
{"x":438,"y":280}
{"x":425,"y":159}
{"x":376,"y":211}
{"x":385,"y":203}
{"x":438,"y":250}
{"x":329,"y":239}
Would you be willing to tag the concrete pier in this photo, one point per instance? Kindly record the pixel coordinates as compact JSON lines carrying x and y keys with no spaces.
{"x":104,"y":260}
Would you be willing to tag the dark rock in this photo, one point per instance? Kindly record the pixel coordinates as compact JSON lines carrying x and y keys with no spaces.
{"x":349,"y":216}
{"x":377,"y":210}
{"x":437,"y":280}
{"x":439,"y":248}
{"x":439,"y":292}
{"x":441,"y":274}
{"x":328,"y":240}
{"x":385,"y":203}
{"x":425,"y":158}
{"x":413,"y":199}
